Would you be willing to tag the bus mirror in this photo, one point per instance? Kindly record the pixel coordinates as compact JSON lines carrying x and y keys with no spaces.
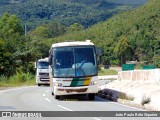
{"x":98,"y":51}
{"x":50,"y":60}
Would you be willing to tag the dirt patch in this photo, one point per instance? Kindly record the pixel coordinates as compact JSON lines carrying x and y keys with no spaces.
{"x":6,"y":88}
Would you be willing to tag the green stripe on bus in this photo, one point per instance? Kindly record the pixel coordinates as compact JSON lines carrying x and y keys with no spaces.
{"x":80,"y":82}
{"x":77,"y":82}
{"x":74,"y":82}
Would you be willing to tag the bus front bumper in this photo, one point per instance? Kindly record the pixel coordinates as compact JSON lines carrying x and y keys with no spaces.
{"x":75,"y":90}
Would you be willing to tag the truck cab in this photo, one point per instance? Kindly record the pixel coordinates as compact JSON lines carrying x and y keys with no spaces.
{"x":42,"y":71}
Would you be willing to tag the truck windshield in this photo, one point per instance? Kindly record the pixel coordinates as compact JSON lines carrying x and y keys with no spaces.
{"x":42,"y":65}
{"x":74,"y":61}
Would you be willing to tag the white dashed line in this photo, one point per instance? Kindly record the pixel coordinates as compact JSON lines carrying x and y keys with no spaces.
{"x":44,"y":95}
{"x":47,"y":99}
{"x":64,"y":108}
{"x":47,"y":91}
{"x":96,"y":118}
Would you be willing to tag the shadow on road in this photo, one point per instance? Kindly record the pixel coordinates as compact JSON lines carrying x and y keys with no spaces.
{"x":81,"y":98}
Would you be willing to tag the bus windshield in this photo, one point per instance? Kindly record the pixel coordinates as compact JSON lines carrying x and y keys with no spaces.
{"x":43,"y":65}
{"x":74,"y":61}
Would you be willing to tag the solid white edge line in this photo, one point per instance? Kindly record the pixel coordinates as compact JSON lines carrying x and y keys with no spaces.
{"x":64,"y":108}
{"x":129,"y":106}
{"x":47,"y":99}
{"x":1,"y":91}
{"x":96,"y":118}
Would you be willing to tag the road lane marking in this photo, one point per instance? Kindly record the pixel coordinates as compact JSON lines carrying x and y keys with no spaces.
{"x":64,"y":108}
{"x":44,"y":95}
{"x":47,"y":91}
{"x":128,"y":106}
{"x":1,"y":91}
{"x":96,"y":118}
{"x":47,"y":99}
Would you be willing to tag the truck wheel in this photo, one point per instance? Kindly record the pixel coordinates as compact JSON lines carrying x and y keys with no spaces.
{"x":39,"y":84}
{"x":56,"y":96}
{"x":91,"y":96}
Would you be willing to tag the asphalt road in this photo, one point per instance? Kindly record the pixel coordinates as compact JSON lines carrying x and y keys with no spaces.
{"x":40,"y":99}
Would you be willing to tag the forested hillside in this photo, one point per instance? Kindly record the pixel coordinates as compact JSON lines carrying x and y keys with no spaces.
{"x":136,"y":2}
{"x":86,"y":12}
{"x":133,"y":35}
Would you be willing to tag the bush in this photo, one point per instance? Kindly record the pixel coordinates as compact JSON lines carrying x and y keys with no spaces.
{"x":107,"y":72}
{"x":145,"y":100}
{"x":18,"y":79}
{"x":139,"y":65}
{"x":99,"y":68}
{"x":126,"y":97}
{"x":157,"y":61}
{"x":3,"y":78}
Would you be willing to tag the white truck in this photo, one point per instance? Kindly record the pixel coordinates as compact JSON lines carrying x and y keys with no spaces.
{"x":42,"y":71}
{"x":73,"y":69}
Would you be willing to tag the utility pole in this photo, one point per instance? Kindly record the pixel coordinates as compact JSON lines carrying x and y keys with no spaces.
{"x":25,"y":30}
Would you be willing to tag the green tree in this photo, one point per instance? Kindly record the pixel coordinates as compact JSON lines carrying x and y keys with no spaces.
{"x":75,"y":27}
{"x":40,"y":32}
{"x":122,"y":49}
{"x":55,"y":29}
{"x":10,"y":37}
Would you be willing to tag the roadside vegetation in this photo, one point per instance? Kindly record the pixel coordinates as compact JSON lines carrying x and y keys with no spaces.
{"x":19,"y":79}
{"x":145,"y":100}
{"x":129,"y":36}
{"x":124,"y":96}
{"x":107,"y":72}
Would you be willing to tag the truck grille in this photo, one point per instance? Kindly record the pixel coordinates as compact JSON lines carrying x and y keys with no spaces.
{"x":44,"y":74}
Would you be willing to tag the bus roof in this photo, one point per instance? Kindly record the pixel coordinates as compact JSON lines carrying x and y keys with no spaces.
{"x":74,"y":43}
{"x":43,"y":60}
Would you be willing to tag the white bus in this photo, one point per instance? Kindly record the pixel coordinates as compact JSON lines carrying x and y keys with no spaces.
{"x":73,"y":69}
{"x":42,"y":71}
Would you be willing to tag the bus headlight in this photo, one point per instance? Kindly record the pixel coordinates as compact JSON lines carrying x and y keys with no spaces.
{"x":58,"y":84}
{"x":93,"y":83}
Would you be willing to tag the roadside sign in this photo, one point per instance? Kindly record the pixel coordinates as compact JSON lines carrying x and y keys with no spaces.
{"x":146,"y":67}
{"x":126,"y":67}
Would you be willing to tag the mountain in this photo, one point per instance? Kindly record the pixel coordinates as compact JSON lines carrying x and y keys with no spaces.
{"x":132,"y":35}
{"x":134,"y":2}
{"x":86,"y":12}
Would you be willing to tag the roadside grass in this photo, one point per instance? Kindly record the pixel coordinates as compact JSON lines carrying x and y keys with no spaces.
{"x":124,"y":96}
{"x":145,"y":100}
{"x":19,"y":79}
{"x":107,"y":72}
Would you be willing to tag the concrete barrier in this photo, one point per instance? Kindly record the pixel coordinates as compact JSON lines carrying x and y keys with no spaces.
{"x":140,"y":75}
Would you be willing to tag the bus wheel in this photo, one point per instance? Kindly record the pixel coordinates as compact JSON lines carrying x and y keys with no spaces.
{"x":39,"y":84}
{"x":91,"y":96}
{"x":56,"y":96}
